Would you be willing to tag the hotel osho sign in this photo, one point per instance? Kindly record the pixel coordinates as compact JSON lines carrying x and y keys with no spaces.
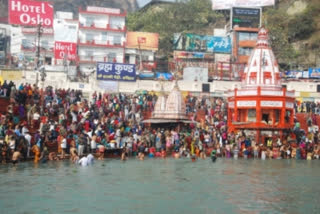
{"x":31,"y":13}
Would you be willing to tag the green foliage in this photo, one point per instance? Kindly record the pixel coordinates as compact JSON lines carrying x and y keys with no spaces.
{"x":301,"y":26}
{"x":276,"y":21}
{"x":191,"y":16}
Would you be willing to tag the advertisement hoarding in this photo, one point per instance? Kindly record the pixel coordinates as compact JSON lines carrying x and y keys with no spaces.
{"x":228,"y":4}
{"x":30,"y":13}
{"x":65,"y":50}
{"x":201,"y":43}
{"x":314,"y":73}
{"x":246,"y":17}
{"x":142,"y":40}
{"x":192,"y":55}
{"x":164,"y":76}
{"x":65,"y":31}
{"x":116,"y":71}
{"x":195,"y":74}
{"x":11,"y":75}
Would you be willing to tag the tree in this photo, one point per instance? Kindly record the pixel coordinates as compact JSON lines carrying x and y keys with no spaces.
{"x":191,"y":16}
{"x":276,"y":21}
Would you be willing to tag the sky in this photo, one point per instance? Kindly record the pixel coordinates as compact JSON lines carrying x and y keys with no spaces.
{"x":141,"y":3}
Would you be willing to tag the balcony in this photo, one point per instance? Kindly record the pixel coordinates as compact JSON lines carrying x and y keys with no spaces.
{"x":93,"y":43}
{"x":92,"y":59}
{"x":33,"y":31}
{"x":34,"y":49}
{"x":107,"y":27}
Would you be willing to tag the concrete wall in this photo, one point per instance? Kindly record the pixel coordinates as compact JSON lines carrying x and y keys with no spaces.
{"x":59,"y":80}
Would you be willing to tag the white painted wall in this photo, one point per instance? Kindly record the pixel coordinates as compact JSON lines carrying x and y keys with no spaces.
{"x":59,"y":80}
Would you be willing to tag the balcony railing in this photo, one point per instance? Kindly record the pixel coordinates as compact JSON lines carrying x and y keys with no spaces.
{"x":106,"y":27}
{"x":92,"y":59}
{"x":94,"y":43}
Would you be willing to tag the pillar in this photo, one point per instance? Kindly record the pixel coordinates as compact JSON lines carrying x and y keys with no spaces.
{"x":258,"y":107}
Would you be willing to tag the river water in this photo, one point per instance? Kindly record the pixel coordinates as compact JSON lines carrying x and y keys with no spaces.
{"x":162,"y":186}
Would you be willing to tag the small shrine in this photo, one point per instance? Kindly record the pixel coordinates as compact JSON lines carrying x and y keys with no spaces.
{"x":261,"y":106}
{"x":169,"y":109}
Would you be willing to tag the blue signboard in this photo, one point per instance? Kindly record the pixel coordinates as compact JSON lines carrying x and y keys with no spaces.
{"x":116,"y":71}
{"x":201,"y":43}
{"x":218,"y":44}
{"x":314,"y":73}
{"x":164,"y":76}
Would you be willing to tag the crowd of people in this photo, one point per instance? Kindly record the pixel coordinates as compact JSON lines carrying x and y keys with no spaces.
{"x":54,"y":124}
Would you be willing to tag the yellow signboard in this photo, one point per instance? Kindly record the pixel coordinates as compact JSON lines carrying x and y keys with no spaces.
{"x":143,"y":40}
{"x":11,"y":74}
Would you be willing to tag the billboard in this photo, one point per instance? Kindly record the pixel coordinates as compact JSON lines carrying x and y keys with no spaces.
{"x":246,"y":17}
{"x":65,"y":50}
{"x":164,"y":76}
{"x":116,"y":71}
{"x":146,"y":41}
{"x":201,"y":43}
{"x":192,"y":55}
{"x":195,"y":74}
{"x":31,"y":13}
{"x":228,"y":4}
{"x":65,"y":31}
{"x":314,"y":73}
{"x":11,"y":74}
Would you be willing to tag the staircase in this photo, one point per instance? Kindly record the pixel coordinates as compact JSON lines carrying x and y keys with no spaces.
{"x":302,"y":118}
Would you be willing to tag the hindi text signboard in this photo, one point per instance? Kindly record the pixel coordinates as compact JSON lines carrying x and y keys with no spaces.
{"x":116,"y":71}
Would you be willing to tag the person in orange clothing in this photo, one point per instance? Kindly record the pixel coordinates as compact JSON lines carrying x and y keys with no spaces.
{"x":36,"y":150}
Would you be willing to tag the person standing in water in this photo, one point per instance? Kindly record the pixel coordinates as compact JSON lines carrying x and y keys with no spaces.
{"x":124,"y":153}
{"x":16,"y":157}
{"x":214,"y":155}
{"x":36,"y":150}
{"x":90,"y":158}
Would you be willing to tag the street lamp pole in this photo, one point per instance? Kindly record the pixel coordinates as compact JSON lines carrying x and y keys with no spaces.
{"x":39,"y":31}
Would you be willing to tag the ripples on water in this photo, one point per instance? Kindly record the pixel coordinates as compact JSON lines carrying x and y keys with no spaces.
{"x":162,"y":186}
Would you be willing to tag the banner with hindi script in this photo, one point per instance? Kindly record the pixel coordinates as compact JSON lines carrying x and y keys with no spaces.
{"x":116,"y":71}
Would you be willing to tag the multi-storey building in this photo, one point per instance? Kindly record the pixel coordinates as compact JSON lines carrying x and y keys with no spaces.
{"x":102,"y":35}
{"x":34,"y":42}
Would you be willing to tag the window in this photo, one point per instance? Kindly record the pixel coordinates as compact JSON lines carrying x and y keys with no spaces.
{"x":44,"y":44}
{"x":245,"y":36}
{"x":27,"y":44}
{"x":89,"y":53}
{"x":117,"y":40}
{"x":112,"y":57}
{"x":48,"y":60}
{"x":104,"y":36}
{"x":89,"y":37}
{"x":89,"y":21}
{"x":115,"y":23}
{"x":244,"y":51}
{"x":251,"y":115}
